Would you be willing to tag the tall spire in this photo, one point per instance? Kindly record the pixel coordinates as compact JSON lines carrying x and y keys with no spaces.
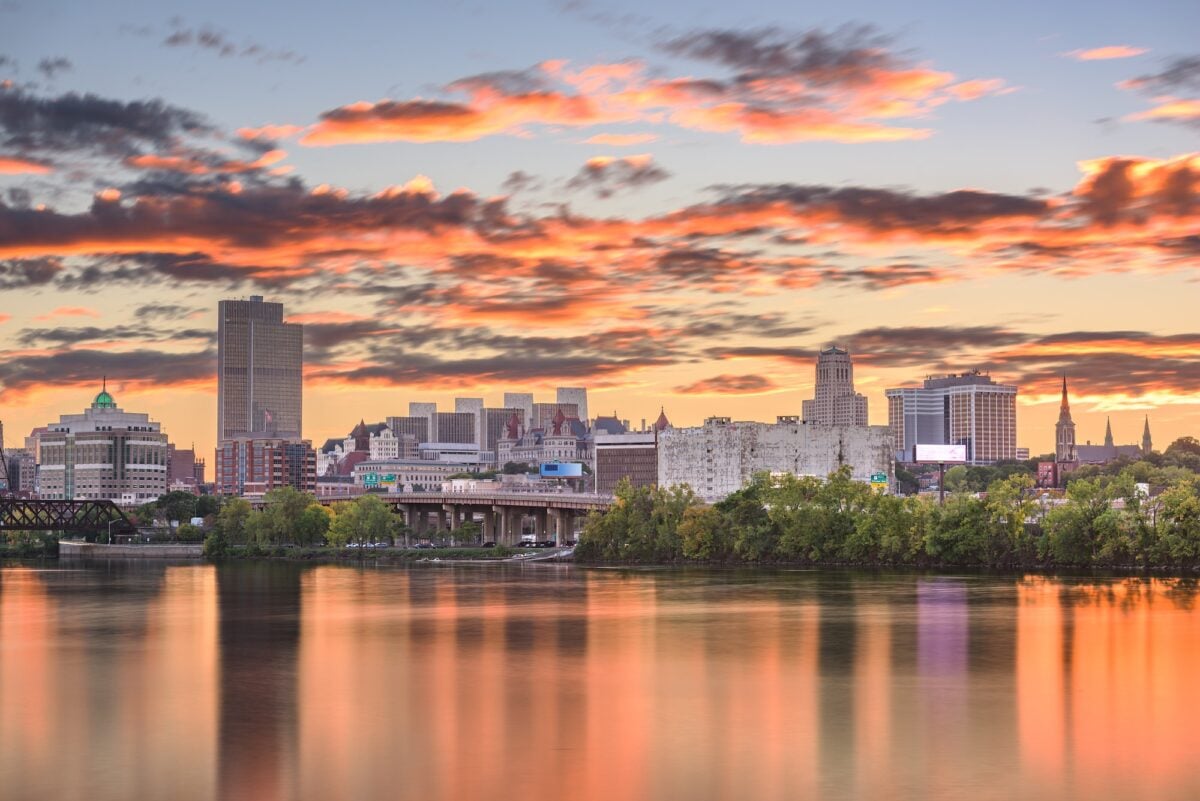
{"x":1147,"y":443}
{"x":1065,"y":403}
{"x":1108,"y":440}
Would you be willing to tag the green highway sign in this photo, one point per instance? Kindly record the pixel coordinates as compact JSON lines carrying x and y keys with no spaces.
{"x":879,"y":478}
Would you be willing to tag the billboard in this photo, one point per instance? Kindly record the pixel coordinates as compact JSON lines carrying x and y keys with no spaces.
{"x":561,"y":470}
{"x":940,"y":454}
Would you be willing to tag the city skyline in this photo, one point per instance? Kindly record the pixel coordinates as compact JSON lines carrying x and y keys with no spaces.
{"x":679,"y":209}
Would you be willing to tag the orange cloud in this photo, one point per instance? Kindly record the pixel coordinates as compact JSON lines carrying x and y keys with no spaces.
{"x":11,"y":165}
{"x":68,"y":311}
{"x":1170,"y":108}
{"x":620,"y":140}
{"x":807,"y":104}
{"x":191,"y":165}
{"x":1106,"y":53}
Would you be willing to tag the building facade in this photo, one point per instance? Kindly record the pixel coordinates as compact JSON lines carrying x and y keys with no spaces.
{"x":458,"y":427}
{"x":256,"y":465}
{"x":835,"y":403}
{"x":619,"y":456}
{"x":259,"y":371}
{"x":960,"y":409}
{"x":577,"y":396}
{"x":719,"y":457}
{"x":104,"y":454}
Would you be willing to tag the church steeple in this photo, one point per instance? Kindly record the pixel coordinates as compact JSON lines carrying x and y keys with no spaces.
{"x":1147,"y":443}
{"x":1108,"y":440}
{"x":1064,"y":431}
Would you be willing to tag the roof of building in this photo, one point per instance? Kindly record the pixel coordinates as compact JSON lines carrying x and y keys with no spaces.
{"x":662,"y":423}
{"x":103,"y":399}
{"x":609,"y":425}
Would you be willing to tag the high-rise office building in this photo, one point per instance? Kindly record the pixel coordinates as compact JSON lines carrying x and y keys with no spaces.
{"x":259,"y":370}
{"x":495,"y":421}
{"x":577,"y":396}
{"x":544,"y":413}
{"x":473,"y":406}
{"x":835,"y":403}
{"x":454,"y":428}
{"x":962,"y":409}
{"x":416,"y":427}
{"x":522,"y":401}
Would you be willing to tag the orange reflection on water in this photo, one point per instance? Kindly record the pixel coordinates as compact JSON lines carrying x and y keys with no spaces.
{"x":1107,"y":683}
{"x":136,"y":706}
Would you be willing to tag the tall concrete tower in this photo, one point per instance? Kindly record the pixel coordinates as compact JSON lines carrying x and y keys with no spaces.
{"x":835,"y":403}
{"x":260,"y":360}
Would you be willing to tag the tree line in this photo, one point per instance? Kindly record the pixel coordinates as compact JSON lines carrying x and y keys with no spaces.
{"x":290,"y":517}
{"x":1102,"y":521}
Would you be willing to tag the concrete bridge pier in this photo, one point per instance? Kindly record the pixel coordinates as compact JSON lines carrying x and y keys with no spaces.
{"x":489,"y":526}
{"x":540,"y":519}
{"x":406,"y":511}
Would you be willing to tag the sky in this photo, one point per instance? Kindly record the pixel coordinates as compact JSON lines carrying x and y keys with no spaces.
{"x":674,"y":204}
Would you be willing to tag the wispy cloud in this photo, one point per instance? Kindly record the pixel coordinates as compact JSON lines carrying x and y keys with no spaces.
{"x":1106,"y":53}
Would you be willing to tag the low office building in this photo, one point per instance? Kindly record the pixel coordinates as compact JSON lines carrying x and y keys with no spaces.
{"x":719,"y":457}
{"x":629,"y":455}
{"x":418,"y":475}
{"x":103,"y":454}
{"x":254,"y":466}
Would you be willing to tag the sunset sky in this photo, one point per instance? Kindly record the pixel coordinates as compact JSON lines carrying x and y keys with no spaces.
{"x":673,"y":204}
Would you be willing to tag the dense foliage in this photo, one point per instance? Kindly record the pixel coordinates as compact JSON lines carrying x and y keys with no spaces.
{"x":290,"y":517}
{"x":1101,"y":521}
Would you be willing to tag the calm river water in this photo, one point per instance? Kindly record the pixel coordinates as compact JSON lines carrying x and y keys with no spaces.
{"x":264,"y":682}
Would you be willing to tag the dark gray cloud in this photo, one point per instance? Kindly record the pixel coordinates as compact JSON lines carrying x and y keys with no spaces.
{"x":87,"y":122}
{"x":164,"y":311}
{"x":506,"y":82}
{"x":206,"y":38}
{"x":72,"y":367}
{"x":68,"y":336}
{"x":888,"y":209}
{"x":607,"y":177}
{"x":726,"y":384}
{"x":50,"y":67}
{"x":24,"y":273}
{"x":520,"y":181}
{"x":1181,"y":73}
{"x":844,"y":56}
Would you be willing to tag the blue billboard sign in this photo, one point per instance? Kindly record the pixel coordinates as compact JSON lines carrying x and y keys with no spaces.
{"x":561,"y":470}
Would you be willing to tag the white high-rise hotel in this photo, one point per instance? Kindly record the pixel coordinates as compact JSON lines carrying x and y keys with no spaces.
{"x":835,"y":402}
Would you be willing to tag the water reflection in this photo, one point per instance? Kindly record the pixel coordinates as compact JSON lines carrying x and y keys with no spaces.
{"x":284,"y":682}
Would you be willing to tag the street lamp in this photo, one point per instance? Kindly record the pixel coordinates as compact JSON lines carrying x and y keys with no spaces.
{"x":110,"y":525}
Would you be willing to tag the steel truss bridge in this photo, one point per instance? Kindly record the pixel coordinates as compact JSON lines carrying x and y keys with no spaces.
{"x":85,"y":517}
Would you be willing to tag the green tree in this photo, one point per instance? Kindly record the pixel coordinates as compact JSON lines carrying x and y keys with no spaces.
{"x":701,"y":534}
{"x":1010,"y":505}
{"x":177,"y":505}
{"x":189,"y":533}
{"x":365,"y":519}
{"x":232,"y":519}
{"x":207,"y":505}
{"x":313,"y":524}
{"x":1070,"y":528}
{"x":468,"y":533}
{"x":1179,"y":514}
{"x":755,"y":535}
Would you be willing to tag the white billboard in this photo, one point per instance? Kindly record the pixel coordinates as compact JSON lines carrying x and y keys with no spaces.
{"x":941,"y":454}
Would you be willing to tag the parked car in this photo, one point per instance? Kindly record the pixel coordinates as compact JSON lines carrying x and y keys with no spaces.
{"x":488,"y":544}
{"x":546,"y":544}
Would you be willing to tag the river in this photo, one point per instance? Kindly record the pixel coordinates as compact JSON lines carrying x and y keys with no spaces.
{"x":283,"y":681}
